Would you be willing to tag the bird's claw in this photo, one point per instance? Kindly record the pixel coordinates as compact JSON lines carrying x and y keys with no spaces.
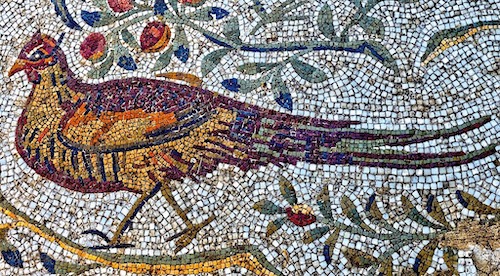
{"x":105,"y":238}
{"x":190,"y":233}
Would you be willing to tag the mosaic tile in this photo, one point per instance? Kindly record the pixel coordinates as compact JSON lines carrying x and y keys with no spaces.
{"x":204,"y":137}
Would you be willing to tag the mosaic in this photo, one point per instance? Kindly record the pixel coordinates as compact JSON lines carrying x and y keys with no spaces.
{"x":249,"y":137}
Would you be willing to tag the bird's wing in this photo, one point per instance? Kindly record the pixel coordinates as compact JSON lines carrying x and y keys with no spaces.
{"x":124,"y":118}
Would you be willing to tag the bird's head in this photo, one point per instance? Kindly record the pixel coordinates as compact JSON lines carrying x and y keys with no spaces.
{"x":39,"y":53}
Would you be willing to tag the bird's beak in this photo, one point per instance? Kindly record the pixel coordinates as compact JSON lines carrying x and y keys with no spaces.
{"x":19,"y":65}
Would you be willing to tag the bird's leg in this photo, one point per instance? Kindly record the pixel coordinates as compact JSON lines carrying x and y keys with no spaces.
{"x":192,"y":229}
{"x":127,"y":221}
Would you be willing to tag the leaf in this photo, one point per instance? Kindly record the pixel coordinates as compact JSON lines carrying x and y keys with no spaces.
{"x":288,"y":191}
{"x":325,"y":22}
{"x":385,"y":268}
{"x":64,"y":268}
{"x":274,"y":226}
{"x":103,"y":68}
{"x":125,"y":59}
{"x":164,"y":59}
{"x":372,"y":208}
{"x":180,"y":36}
{"x":12,"y":257}
{"x":129,"y":39}
{"x":330,"y":244}
{"x":424,"y":258}
{"x":451,"y":259}
{"x":436,"y":212}
{"x":357,"y":3}
{"x":173,"y":3}
{"x":308,"y":72}
{"x":282,"y":94}
{"x":472,"y":203}
{"x":101,"y":4}
{"x":315,"y":234}
{"x":324,"y":203}
{"x":48,"y":262}
{"x":219,"y":12}
{"x":413,"y":214}
{"x":201,"y":14}
{"x":231,"y":84}
{"x":349,"y":210}
{"x":378,"y":51}
{"x":97,"y":19}
{"x":232,"y":30}
{"x":210,"y":61}
{"x":372,"y":25}
{"x":359,"y":258}
{"x":243,"y":86}
{"x":182,"y":53}
{"x":63,"y":13}
{"x":160,"y":7}
{"x":266,"y":207}
{"x":256,"y":67}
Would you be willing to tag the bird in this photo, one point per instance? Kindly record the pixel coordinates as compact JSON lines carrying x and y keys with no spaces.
{"x":139,"y":135}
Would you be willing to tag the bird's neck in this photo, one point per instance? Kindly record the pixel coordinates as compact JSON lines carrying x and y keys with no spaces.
{"x":47,"y":103}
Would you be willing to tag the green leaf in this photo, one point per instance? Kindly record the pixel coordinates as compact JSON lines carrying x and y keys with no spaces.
{"x":324,"y":203}
{"x":180,"y":36}
{"x":451,"y":259}
{"x":232,"y":30}
{"x":308,"y":72}
{"x":210,"y":61}
{"x":325,"y":22}
{"x":164,"y":59}
{"x":256,"y":67}
{"x":424,"y":258}
{"x":349,"y":210}
{"x":288,"y":191}
{"x":315,"y":234}
{"x":413,"y":214}
{"x":359,"y":258}
{"x":129,"y":39}
{"x":201,"y":14}
{"x":274,"y":226}
{"x":101,"y":4}
{"x":173,"y":3}
{"x":266,"y":207}
{"x":357,"y":3}
{"x":277,"y":84}
{"x":102,"y":69}
{"x":250,"y":85}
{"x":106,"y":18}
{"x":372,"y":25}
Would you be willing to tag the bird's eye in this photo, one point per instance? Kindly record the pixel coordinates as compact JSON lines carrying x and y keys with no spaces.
{"x":38,"y":54}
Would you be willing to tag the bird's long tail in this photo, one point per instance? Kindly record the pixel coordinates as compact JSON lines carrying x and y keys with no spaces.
{"x":290,"y":141}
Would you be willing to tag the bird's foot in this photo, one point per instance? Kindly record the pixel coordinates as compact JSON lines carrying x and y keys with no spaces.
{"x":106,"y":239}
{"x":188,"y":234}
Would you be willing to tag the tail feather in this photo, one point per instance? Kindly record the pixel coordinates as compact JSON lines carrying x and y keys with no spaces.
{"x":284,"y":142}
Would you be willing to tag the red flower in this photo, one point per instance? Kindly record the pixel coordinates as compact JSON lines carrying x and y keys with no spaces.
{"x":93,"y":47}
{"x":120,"y":5}
{"x":155,"y":37}
{"x":300,"y":215}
